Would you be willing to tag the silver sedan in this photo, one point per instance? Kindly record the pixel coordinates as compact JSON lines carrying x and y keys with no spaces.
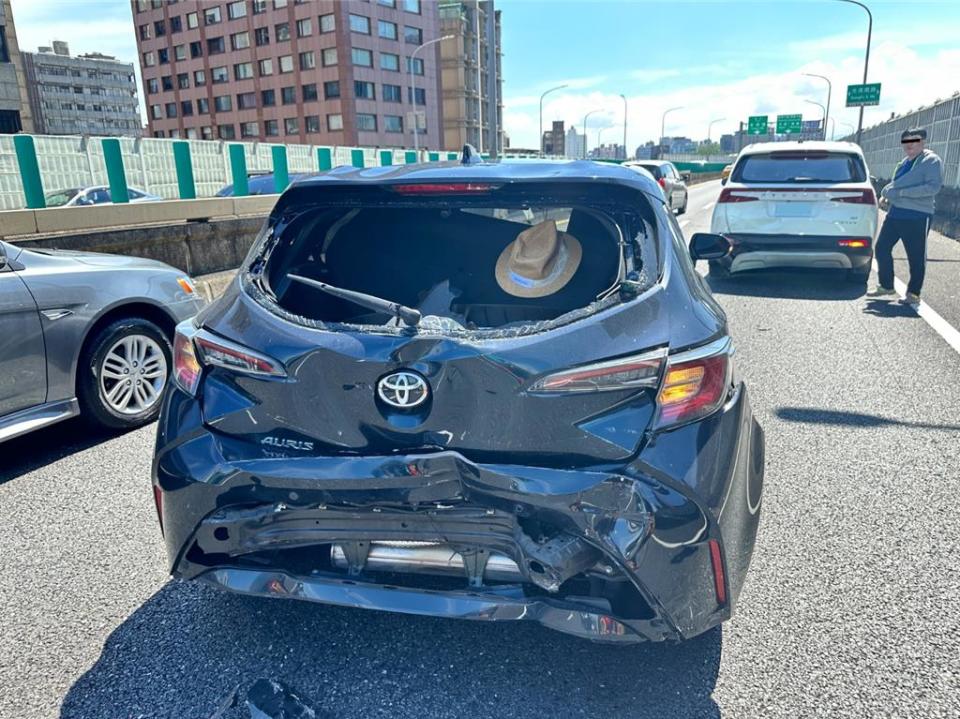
{"x":89,"y":333}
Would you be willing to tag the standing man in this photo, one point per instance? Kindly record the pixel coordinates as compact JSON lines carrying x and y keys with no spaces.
{"x":909,"y":199}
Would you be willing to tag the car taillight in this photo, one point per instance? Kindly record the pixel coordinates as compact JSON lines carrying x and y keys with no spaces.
{"x":727,"y":194}
{"x":719,"y":576}
{"x":866,"y":197}
{"x":625,"y":373}
{"x":194,"y":349}
{"x":663,"y":183}
{"x":695,"y":384}
{"x":854,"y":242}
{"x":186,"y":366}
{"x":444,"y":188}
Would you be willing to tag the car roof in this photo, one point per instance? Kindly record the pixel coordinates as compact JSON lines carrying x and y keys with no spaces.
{"x":506,"y":171}
{"x":761,"y":148}
{"x":648,"y":162}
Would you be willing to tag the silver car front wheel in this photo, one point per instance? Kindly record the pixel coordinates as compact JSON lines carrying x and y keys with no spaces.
{"x":133,"y":374}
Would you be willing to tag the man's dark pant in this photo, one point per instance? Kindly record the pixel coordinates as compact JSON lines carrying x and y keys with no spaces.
{"x":913,"y":232}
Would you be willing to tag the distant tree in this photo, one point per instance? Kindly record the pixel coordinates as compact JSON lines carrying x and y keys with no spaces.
{"x":709,"y":148}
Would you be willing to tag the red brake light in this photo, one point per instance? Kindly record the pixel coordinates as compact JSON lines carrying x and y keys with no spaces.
{"x":446,"y":188}
{"x":625,"y":373}
{"x":696,"y":384}
{"x":662,"y":183}
{"x":719,"y":577}
{"x":866,"y":197}
{"x":726,"y":195}
{"x":158,"y":502}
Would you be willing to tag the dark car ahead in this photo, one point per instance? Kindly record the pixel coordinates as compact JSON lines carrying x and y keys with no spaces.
{"x":491,"y":391}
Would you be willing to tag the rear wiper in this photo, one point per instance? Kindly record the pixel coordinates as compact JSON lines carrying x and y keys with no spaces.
{"x":408,"y":315}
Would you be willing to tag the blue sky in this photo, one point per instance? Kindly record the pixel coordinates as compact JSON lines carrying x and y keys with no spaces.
{"x":716,"y":59}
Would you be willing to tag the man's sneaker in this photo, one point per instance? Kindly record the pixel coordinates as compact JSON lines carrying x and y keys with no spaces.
{"x":881,"y":291}
{"x":911,"y":299}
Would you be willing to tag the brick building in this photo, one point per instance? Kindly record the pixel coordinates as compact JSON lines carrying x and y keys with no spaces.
{"x":302,"y":71}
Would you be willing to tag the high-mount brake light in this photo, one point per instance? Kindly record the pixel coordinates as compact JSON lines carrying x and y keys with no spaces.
{"x":696,"y":383}
{"x":194,"y":349}
{"x":866,"y":197}
{"x":445,"y":188}
{"x":727,"y":195}
{"x":624,"y":373}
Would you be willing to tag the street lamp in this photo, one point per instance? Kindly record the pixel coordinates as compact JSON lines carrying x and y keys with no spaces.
{"x":624,"y":126}
{"x":866,"y":58}
{"x":413,"y":87}
{"x":663,"y":124}
{"x":585,"y":131}
{"x":540,"y":126}
{"x":710,"y":126}
{"x":813,"y":102}
{"x":829,"y":93}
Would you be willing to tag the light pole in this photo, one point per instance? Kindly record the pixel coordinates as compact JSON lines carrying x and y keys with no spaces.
{"x":866,"y":58}
{"x":663,"y":124}
{"x":413,"y":87}
{"x":826,"y":113}
{"x":540,"y":126}
{"x":585,"y":131}
{"x":624,"y":125}
{"x":710,"y":126}
{"x":814,"y":102}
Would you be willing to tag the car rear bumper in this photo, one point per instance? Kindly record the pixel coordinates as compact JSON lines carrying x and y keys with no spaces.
{"x":756,"y":251}
{"x":669,"y":534}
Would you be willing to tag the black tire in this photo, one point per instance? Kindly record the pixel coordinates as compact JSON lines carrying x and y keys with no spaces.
{"x":686,"y":200}
{"x":718,"y":270}
{"x":91,"y":391}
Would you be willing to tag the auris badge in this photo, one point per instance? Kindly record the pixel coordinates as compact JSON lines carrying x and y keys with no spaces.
{"x":403,"y":390}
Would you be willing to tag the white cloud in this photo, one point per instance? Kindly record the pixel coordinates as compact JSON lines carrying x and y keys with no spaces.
{"x":909,"y":79}
{"x":654,"y":74}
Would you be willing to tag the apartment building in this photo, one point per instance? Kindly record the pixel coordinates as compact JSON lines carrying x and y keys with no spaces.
{"x":304,"y":71}
{"x":471,"y":75}
{"x":14,"y":106}
{"x":91,"y":94}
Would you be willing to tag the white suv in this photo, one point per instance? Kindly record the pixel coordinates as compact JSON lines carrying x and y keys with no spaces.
{"x":798,"y":204}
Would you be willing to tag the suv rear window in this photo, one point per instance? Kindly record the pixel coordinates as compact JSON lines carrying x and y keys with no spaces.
{"x":652,"y":169}
{"x":800,"y":167}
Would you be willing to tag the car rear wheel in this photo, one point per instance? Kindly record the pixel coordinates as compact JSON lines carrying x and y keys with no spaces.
{"x":123,"y":373}
{"x":683,"y":208}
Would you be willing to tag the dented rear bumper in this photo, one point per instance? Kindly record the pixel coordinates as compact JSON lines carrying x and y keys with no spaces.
{"x":677,"y":535}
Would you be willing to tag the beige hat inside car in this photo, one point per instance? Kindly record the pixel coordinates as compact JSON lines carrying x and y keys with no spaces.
{"x":539,"y":262}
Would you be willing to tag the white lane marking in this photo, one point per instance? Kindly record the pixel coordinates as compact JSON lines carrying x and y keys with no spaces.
{"x":684,"y":223}
{"x":943,"y":328}
{"x":709,"y":205}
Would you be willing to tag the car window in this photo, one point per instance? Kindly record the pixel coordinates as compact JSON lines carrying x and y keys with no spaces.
{"x":98,"y":196}
{"x":59,"y":199}
{"x":135,"y":194}
{"x":667,"y":171}
{"x":800,"y":167}
{"x":652,"y":169}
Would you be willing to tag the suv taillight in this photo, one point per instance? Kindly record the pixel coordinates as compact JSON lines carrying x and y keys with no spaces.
{"x":695,"y":384}
{"x":727,"y":194}
{"x":689,"y":385}
{"x":193,"y":349}
{"x":864,"y":198}
{"x":663,"y":183}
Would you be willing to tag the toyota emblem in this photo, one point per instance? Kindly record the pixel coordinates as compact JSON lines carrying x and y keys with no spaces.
{"x":403,"y":390}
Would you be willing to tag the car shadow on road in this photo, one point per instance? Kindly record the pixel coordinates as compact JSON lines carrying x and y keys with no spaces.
{"x":190,"y":646}
{"x":814,"y":415}
{"x":799,"y":284}
{"x":37,"y":449}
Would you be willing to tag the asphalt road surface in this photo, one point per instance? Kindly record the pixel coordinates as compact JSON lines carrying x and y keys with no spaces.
{"x":852,"y":608}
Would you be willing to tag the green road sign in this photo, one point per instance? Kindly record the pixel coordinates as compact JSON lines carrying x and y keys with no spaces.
{"x":789,"y":124}
{"x":757,"y":125}
{"x":860,"y":95}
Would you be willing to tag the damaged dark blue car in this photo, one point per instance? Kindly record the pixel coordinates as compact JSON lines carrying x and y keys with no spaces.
{"x":483,"y":391}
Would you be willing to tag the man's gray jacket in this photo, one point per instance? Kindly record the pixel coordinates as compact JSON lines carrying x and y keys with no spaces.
{"x":916,"y":189}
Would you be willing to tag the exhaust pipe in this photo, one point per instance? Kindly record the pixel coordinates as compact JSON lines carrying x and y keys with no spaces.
{"x":426,"y":558}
